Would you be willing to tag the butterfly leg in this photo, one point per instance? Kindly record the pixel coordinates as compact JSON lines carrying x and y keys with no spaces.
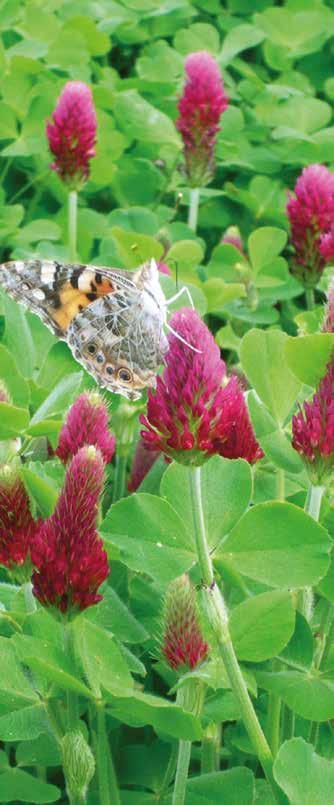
{"x":182,"y":291}
{"x":179,"y":337}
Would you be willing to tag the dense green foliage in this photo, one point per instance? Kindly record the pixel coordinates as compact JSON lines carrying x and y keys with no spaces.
{"x":276,"y":62}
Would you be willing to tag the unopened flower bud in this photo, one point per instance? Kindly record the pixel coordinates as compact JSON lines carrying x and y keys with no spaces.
{"x":78,"y":763}
{"x":183,"y":643}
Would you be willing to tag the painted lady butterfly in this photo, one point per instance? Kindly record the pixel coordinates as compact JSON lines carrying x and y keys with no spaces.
{"x":112,"y":320}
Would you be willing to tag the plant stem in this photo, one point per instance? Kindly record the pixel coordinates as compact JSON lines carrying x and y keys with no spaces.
{"x":327,"y":637}
{"x":218,"y":619}
{"x":309,"y":293}
{"x":76,"y":799}
{"x":72,"y":224}
{"x":182,"y":769}
{"x":312,"y":507}
{"x":273,"y":720}
{"x":29,"y":598}
{"x":108,"y":788}
{"x":120,"y":476}
{"x":71,"y":697}
{"x":210,"y":749}
{"x":193,"y":209}
{"x":170,"y":770}
{"x":288,"y":723}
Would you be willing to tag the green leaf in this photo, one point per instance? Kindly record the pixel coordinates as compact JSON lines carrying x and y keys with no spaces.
{"x":134,"y":248}
{"x":299,"y":650}
{"x":13,"y":420}
{"x":308,"y":356}
{"x":145,"y":122}
{"x":186,"y":251}
{"x":102,"y":661}
{"x":278,"y":544}
{"x":239,"y":38}
{"x":113,"y":614}
{"x":165,"y":717}
{"x":44,"y":495}
{"x":307,"y":694}
{"x":22,"y":725}
{"x":8,"y":123}
{"x":17,"y":785}
{"x":51,"y":662}
{"x":15,"y":383}
{"x":222,"y":510}
{"x":151,"y":536}
{"x":262,"y":626}
{"x":199,"y":36}
{"x":17,"y":333}
{"x":265,"y":244}
{"x":303,"y":775}
{"x":59,"y":399}
{"x":15,"y":689}
{"x":274,"y":442}
{"x":42,"y":750}
{"x":220,"y":293}
{"x":262,"y":354}
{"x":40,"y":229}
{"x":233,"y":787}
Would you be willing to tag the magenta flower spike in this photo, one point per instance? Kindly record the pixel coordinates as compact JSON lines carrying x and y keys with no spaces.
{"x":192,"y":415}
{"x":311,"y":212}
{"x":17,"y":526}
{"x":68,"y":553}
{"x":183,"y":645}
{"x":200,"y":108}
{"x":86,"y":423}
{"x":72,"y":133}
{"x":313,"y":430}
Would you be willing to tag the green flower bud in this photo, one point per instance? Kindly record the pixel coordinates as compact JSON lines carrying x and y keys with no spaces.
{"x":78,"y":763}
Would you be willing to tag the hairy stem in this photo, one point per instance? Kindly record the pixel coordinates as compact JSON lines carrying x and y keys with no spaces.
{"x":193,"y":209}
{"x":108,"y":788}
{"x":72,"y":224}
{"x":312,"y":507}
{"x":309,"y":293}
{"x":215,"y":609}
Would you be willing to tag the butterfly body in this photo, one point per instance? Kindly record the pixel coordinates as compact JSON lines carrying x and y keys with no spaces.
{"x":111,"y":319}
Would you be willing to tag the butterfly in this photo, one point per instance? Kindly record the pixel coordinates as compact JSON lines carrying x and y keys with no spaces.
{"x":113,"y":320}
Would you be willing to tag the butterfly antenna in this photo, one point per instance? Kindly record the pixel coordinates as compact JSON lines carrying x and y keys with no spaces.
{"x":179,"y":337}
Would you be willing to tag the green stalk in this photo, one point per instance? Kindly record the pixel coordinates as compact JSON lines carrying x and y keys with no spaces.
{"x":191,"y":697}
{"x":312,"y":507}
{"x":326,"y":641}
{"x":29,"y":598}
{"x":210,"y":760}
{"x":170,"y":770}
{"x":76,"y":799}
{"x":120,"y":475}
{"x":71,"y":697}
{"x":193,"y":208}
{"x":218,"y":619}
{"x":309,"y":293}
{"x":108,"y":788}
{"x":72,"y":224}
{"x":274,"y":701}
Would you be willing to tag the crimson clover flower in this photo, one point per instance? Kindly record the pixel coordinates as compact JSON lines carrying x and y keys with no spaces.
{"x":200,"y":108}
{"x":192,"y":415}
{"x":68,"y":553}
{"x":311,"y":213}
{"x":313,"y":430}
{"x":17,"y":525}
{"x":86,"y":423}
{"x":72,"y":133}
{"x":183,"y":645}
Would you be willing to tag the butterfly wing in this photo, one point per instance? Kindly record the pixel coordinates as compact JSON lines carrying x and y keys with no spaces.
{"x":57,"y":292}
{"x":112,"y":320}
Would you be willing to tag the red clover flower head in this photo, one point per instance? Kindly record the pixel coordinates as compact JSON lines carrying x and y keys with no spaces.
{"x":313,"y":430}
{"x":183,"y":645}
{"x":17,"y":526}
{"x":200,"y":108}
{"x":311,"y":213}
{"x":72,"y":133}
{"x":68,"y":553}
{"x":192,"y":415}
{"x":86,"y":423}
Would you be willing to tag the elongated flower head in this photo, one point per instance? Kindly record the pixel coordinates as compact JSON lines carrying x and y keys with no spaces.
{"x":313,"y":430}
{"x":311,"y":213}
{"x":183,"y":645}
{"x":143,"y":460}
{"x":86,"y":423}
{"x":68,"y":553}
{"x":78,"y":764}
{"x":328,"y":324}
{"x":200,"y":108}
{"x":17,"y":526}
{"x":72,"y":133}
{"x":192,"y":415}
